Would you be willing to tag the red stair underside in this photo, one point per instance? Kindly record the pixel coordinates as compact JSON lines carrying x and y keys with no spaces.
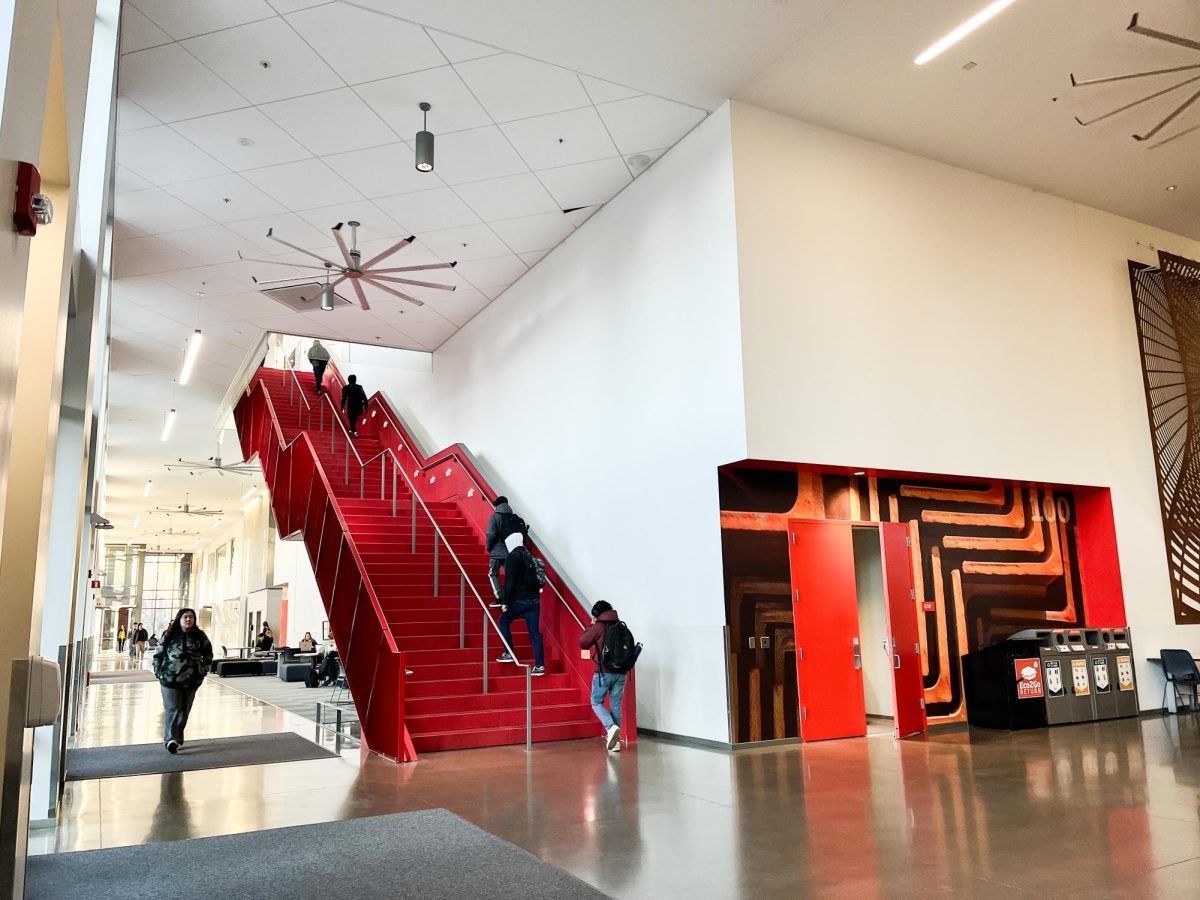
{"x":445,"y":707}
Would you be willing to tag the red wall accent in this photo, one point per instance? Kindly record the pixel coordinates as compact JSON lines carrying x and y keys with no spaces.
{"x":1099,"y":566}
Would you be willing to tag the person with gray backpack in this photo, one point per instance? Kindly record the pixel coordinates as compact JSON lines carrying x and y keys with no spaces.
{"x":614,"y":652}
{"x":502,"y":523}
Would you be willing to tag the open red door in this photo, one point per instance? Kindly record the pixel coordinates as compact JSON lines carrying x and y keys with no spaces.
{"x":828,"y":652}
{"x":901,"y":601}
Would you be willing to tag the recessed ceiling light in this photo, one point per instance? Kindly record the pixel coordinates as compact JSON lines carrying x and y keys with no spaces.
{"x":980,"y":18}
{"x":860,"y":473}
{"x":639,"y":160}
{"x":969,"y":65}
{"x":1172,"y":187}
{"x":246,"y":142}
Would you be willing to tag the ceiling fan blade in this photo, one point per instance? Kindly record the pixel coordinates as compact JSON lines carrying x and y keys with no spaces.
{"x":395,"y":293}
{"x":1169,"y":119}
{"x":297,"y":280}
{"x":389,"y":251}
{"x":275,"y":262}
{"x":1161,"y":35}
{"x":424,"y":268}
{"x":362,"y":297}
{"x":425,"y":284}
{"x":271,"y":235}
{"x":341,"y":242}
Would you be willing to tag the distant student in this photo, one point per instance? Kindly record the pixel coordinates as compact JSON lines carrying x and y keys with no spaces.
{"x":307,"y":643}
{"x":609,"y":680}
{"x":521,"y":599}
{"x":502,"y":523}
{"x":354,"y":403}
{"x":121,"y":639}
{"x":318,"y":357}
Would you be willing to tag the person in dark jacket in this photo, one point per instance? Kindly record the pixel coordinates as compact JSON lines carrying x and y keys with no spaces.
{"x":180,"y":664}
{"x":496,"y":533}
{"x":354,"y":403}
{"x":140,"y":639}
{"x":604,"y":683}
{"x":521,"y":598}
{"x":318,"y":356}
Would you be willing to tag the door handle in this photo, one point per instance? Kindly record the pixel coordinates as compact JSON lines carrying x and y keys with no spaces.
{"x":896,"y":661}
{"x":857,"y":654}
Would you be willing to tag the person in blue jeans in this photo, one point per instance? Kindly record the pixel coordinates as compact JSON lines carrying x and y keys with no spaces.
{"x":521,"y":598}
{"x":605,"y":683}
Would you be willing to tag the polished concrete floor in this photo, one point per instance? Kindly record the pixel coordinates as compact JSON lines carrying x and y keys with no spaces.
{"x":1111,"y":809}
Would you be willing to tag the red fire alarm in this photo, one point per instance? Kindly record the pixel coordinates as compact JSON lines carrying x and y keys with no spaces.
{"x":32,"y":208}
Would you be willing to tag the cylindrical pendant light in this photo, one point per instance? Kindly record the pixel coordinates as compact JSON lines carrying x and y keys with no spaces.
{"x":327,"y":292}
{"x":425,"y":142}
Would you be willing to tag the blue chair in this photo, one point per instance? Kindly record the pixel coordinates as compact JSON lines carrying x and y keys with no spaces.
{"x":1180,"y":670}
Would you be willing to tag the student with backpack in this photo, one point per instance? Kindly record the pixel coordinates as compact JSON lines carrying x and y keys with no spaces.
{"x":614,"y":652}
{"x":502,"y":523}
{"x":523,"y":580}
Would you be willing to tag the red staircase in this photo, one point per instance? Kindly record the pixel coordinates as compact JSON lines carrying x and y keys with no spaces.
{"x":396,"y":543}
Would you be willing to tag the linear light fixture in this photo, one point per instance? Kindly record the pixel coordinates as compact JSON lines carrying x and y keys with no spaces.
{"x":980,"y":18}
{"x":149,"y":485}
{"x":246,"y":496}
{"x":216,"y":522}
{"x":189,"y":359}
{"x":168,"y":425}
{"x":249,"y":506}
{"x":136,"y":520}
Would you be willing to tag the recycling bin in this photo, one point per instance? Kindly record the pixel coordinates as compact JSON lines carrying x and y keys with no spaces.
{"x":1004,"y":685}
{"x":1102,"y":666}
{"x":1119,"y":644}
{"x":1071,"y":644}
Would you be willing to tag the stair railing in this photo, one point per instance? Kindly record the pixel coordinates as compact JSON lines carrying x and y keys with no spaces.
{"x":464,"y":580}
{"x":294,"y":386}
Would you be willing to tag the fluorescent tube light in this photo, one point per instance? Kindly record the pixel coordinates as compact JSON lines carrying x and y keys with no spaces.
{"x":249,"y":506}
{"x":216,"y":522}
{"x":246,"y":496}
{"x":980,"y":18}
{"x":149,"y":484}
{"x":189,"y":359}
{"x":136,"y":519}
{"x":168,"y":425}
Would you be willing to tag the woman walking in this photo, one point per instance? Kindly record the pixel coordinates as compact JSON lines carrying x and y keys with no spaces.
{"x":180,"y":664}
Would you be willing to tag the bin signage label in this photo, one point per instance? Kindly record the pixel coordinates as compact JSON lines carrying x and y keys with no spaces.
{"x":1079,"y":677}
{"x":1029,"y":678}
{"x":1054,"y":682}
{"x":1125,"y":673}
{"x":1100,"y":674}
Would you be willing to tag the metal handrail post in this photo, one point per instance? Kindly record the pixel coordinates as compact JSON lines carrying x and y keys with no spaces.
{"x":383,"y":476}
{"x":485,"y":654}
{"x":394,"y":465}
{"x":414,"y":526}
{"x":462,"y":611}
{"x":436,"y":553}
{"x":528,"y":710}
{"x":346,"y":471}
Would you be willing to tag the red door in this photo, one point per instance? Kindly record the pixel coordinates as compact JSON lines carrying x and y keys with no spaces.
{"x":901,"y":602}
{"x":828,"y":651}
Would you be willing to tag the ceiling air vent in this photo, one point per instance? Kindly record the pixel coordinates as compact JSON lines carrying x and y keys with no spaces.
{"x":303,"y":297}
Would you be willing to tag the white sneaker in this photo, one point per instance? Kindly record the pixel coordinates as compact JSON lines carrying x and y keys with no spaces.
{"x":614,"y":738}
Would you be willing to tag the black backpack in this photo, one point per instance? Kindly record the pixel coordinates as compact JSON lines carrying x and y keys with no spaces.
{"x":535,"y":572}
{"x":511,"y":523}
{"x":311,"y":679}
{"x":619,"y":651}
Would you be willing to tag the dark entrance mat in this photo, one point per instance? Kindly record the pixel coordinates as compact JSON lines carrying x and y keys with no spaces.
{"x":211,"y":753}
{"x":427,"y":854}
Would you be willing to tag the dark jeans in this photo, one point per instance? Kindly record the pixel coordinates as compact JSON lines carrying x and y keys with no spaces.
{"x":177,"y":706}
{"x":531,"y":613}
{"x":319,"y":372}
{"x":353,"y":414}
{"x":494,"y":567}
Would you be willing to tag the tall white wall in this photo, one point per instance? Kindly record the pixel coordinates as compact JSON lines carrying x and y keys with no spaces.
{"x":901,"y":313}
{"x":602,"y":391}
{"x":305,"y":611}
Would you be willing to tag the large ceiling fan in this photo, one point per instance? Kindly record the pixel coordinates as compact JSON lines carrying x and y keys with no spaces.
{"x":212,"y":464}
{"x":186,"y":509}
{"x":355,"y":270}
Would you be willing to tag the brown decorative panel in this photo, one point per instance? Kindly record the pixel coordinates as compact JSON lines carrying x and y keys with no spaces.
{"x":989,"y":559}
{"x":1166,"y":303}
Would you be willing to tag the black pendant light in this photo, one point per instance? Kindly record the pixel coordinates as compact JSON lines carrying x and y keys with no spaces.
{"x":425,"y":142}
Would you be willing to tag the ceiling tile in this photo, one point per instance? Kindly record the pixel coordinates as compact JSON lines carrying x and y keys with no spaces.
{"x":171,"y":84}
{"x":423,"y":211}
{"x":162,"y":156}
{"x":475,"y":155}
{"x":374,"y":225}
{"x":508,"y":197}
{"x":247,"y":306}
{"x":533,"y":232}
{"x":211,"y":281}
{"x":146,"y":255}
{"x":459,"y":49}
{"x":123,"y":231}
{"x":381,"y":171}
{"x":397,"y":101}
{"x":644,"y":123}
{"x":222,"y":136}
{"x":331,"y":122}
{"x":561,"y":139}
{"x":128,"y":181}
{"x":209,"y":245}
{"x":606,"y":91}
{"x":490,"y":272}
{"x":363,"y":45}
{"x":515,"y":87}
{"x":586,"y":184}
{"x":303,"y":185}
{"x":146,"y":291}
{"x":237,"y":55}
{"x":431,"y":334}
{"x":462,"y":304}
{"x":138,"y":32}
{"x":578,"y":216}
{"x":131,"y":117}
{"x":154,"y":211}
{"x":532,"y":259}
{"x":288,"y":226}
{"x":468,"y":242}
{"x":187,"y":18}
{"x":226,"y":198}
{"x":287,"y":6}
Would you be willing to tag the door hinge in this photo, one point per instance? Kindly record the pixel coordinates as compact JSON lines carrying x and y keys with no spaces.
{"x":793,"y":537}
{"x":918,"y":645}
{"x":922,"y":703}
{"x":912,"y":594}
{"x":804,"y":712}
{"x":908,"y":542}
{"x":800,"y":653}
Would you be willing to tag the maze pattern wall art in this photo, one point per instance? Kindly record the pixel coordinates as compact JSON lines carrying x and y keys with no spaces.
{"x":1166,"y":304}
{"x":990,"y":558}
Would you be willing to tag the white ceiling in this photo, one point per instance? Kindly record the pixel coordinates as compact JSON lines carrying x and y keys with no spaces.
{"x":213,"y":149}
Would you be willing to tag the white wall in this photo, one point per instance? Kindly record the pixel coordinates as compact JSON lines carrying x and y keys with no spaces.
{"x":901,"y":313}
{"x":305,"y":611}
{"x":879,"y":686}
{"x":602,"y":391}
